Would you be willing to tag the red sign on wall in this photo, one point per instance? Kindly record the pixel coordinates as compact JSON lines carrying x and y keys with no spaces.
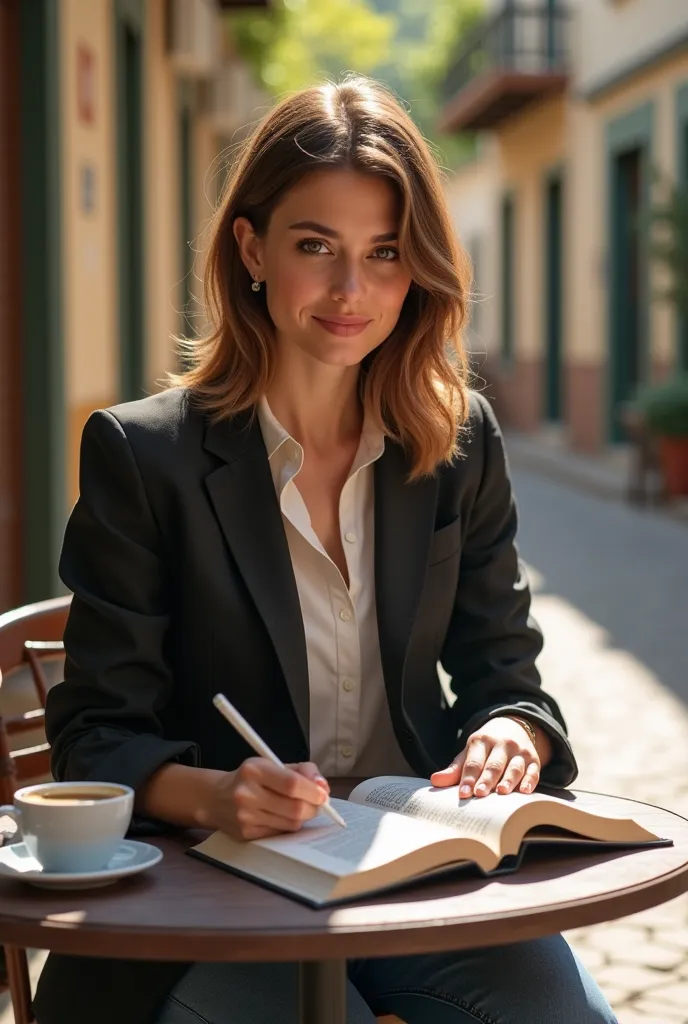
{"x":85,"y":84}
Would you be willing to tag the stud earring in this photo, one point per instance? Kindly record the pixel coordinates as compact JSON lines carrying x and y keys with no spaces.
{"x":256,"y":285}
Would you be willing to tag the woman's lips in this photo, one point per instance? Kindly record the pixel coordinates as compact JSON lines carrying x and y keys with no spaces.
{"x":344,"y":326}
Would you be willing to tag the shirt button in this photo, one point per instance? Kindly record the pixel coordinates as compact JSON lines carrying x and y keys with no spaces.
{"x":351,"y":537}
{"x":345,"y":615}
{"x":348,"y":684}
{"x":347,"y":751}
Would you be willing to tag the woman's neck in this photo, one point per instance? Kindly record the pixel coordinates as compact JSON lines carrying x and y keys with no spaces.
{"x":319,"y":405}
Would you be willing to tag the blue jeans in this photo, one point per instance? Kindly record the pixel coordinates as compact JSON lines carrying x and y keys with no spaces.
{"x":537,"y":982}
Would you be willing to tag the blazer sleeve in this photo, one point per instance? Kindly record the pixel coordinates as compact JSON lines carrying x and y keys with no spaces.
{"x":492,"y":641}
{"x":103,"y":721}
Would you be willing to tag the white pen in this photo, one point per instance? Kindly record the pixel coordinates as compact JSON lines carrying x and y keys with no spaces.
{"x":235,"y":718}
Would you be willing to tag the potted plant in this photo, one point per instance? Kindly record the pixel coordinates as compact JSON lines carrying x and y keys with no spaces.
{"x":664,"y":408}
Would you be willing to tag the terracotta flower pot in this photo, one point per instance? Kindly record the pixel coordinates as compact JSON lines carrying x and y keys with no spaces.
{"x":674,"y":457}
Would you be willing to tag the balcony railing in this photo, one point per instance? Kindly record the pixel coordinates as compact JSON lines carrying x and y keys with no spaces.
{"x":511,"y":58}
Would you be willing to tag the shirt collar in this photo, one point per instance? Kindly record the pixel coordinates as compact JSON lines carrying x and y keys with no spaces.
{"x":275,"y":436}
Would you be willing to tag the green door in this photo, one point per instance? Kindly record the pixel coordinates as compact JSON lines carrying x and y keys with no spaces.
{"x":41,"y":332}
{"x":682,"y":178}
{"x":628,"y":362}
{"x":129,"y":60}
{"x":553,"y":296}
{"x":508,"y":216}
{"x":629,"y":155}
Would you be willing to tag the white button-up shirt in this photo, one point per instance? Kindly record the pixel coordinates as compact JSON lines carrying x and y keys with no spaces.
{"x":351,"y":730}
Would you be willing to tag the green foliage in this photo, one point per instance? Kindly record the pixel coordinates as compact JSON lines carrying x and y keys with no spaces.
{"x":427,"y":40}
{"x":668,"y":244}
{"x":295,"y":43}
{"x":665,"y":407}
{"x":408,"y":44}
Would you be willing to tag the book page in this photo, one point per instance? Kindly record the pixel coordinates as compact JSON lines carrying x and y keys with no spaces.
{"x":371,"y":838}
{"x":478,"y":817}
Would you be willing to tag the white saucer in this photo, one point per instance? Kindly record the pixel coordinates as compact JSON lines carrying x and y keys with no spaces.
{"x":130,"y":858}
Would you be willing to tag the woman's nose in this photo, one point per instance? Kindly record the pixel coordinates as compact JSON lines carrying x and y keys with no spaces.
{"x":347,"y":282}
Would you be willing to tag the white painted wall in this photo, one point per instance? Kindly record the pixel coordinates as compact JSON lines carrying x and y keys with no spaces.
{"x":611,"y":35}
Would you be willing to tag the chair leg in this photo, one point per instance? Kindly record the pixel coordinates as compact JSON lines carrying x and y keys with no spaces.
{"x":20,"y":984}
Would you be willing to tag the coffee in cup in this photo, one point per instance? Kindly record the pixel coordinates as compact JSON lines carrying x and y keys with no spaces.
{"x":72,"y":826}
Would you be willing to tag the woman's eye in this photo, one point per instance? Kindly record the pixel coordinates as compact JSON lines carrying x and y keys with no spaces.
{"x":312,"y":246}
{"x":389,"y":254}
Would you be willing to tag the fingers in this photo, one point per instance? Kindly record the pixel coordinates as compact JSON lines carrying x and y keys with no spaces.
{"x":311,"y":771}
{"x":268,"y":798}
{"x":513,"y":774}
{"x":285,"y":780}
{"x":483,"y":769}
{"x":451,"y":775}
{"x":530,"y":778}
{"x":490,"y":765}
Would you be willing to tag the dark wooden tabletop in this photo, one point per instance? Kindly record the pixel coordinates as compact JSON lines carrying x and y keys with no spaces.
{"x":188,"y":910}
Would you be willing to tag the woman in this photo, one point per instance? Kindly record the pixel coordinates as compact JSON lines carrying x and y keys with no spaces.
{"x":313,"y":516}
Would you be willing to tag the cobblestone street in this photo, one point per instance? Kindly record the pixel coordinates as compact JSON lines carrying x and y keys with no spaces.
{"x":611,"y":594}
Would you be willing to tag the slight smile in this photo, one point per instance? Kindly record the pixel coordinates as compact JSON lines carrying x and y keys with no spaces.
{"x":344,"y":326}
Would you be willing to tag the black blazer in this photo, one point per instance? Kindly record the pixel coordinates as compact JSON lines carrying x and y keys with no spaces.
{"x":183,"y":585}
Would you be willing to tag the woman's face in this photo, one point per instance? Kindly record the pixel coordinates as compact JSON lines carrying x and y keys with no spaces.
{"x":330,"y":262}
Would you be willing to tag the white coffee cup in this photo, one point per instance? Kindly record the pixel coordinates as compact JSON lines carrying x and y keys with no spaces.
{"x":72,"y":826}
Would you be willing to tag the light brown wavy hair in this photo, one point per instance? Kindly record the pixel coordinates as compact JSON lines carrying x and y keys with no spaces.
{"x":414,"y":384}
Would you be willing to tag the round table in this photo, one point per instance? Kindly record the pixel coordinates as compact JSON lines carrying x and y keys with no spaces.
{"x":185,"y":910}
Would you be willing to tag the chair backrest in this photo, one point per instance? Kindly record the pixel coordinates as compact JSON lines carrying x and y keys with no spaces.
{"x":27,"y":635}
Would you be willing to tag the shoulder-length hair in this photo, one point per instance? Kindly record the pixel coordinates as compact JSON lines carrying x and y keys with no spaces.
{"x":414,"y":384}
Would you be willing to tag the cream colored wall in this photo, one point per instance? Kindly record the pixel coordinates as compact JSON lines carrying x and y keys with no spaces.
{"x":163,"y":267}
{"x":530,"y":145}
{"x":611,"y":36}
{"x":470,"y":194}
{"x":89,"y":256}
{"x":587,"y":275}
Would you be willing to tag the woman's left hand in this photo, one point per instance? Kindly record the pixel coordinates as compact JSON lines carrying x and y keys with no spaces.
{"x":498,"y":756}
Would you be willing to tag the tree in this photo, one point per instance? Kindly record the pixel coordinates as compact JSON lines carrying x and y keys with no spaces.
{"x":407,"y":44}
{"x":298,"y":42}
{"x":427,"y":62}
{"x":668,"y":249}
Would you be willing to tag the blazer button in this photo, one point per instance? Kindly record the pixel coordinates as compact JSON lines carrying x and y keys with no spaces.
{"x":407,"y":734}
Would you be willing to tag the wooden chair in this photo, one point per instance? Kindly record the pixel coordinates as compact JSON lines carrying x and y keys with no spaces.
{"x":27,"y":635}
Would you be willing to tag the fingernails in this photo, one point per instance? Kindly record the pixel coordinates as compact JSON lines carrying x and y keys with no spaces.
{"x":481,"y":788}
{"x":465,"y":790}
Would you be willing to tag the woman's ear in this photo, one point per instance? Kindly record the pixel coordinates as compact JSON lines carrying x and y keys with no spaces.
{"x":250,"y":247}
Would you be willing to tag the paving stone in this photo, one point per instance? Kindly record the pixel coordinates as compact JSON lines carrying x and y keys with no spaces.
{"x":673,"y":993}
{"x":655,"y":1011}
{"x":621,"y":938}
{"x":638,"y":1015}
{"x":591,"y":958}
{"x":630,"y":978}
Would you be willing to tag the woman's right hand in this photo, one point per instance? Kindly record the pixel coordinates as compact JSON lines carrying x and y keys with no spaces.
{"x":263,"y":799}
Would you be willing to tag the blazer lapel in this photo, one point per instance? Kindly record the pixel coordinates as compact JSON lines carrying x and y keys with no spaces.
{"x":243,"y":496}
{"x":404,"y":525}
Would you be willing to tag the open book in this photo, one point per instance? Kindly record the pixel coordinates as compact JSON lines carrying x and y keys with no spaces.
{"x":401,"y":829}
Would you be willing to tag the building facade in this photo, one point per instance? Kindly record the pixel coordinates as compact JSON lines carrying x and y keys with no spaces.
{"x":113,"y":120}
{"x":578,"y":106}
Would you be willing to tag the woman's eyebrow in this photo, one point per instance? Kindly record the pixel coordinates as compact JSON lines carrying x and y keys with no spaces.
{"x":321,"y":229}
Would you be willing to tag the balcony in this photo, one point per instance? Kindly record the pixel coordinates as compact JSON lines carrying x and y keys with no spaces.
{"x":508,"y":61}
